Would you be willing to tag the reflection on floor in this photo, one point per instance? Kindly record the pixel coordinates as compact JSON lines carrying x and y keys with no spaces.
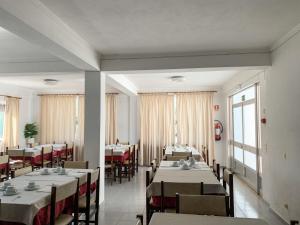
{"x":124,"y":201}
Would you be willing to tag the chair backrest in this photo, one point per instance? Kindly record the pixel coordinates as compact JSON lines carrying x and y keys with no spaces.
{"x":124,"y":143}
{"x":4,"y":159}
{"x":170,"y":189}
{"x":228,"y":180}
{"x":211,"y":205}
{"x":21,"y":172}
{"x":184,"y":154}
{"x":154,"y":165}
{"x":216,"y":169}
{"x":149,"y":176}
{"x":92,"y":177}
{"x":205,"y":154}
{"x":76,"y":164}
{"x":62,"y":192}
{"x":48,"y":149}
{"x":176,"y":158}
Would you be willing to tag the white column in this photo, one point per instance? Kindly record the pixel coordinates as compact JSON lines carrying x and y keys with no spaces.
{"x":94,"y":129}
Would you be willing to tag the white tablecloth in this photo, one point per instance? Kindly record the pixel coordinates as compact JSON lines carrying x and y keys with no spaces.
{"x":117,"y":149}
{"x":23,"y":207}
{"x":179,"y":148}
{"x":32,"y":152}
{"x":197,"y":166}
{"x":179,"y":219}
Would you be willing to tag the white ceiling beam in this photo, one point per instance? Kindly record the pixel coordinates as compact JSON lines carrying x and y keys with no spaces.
{"x":36,"y":67}
{"x":34,"y":22}
{"x":121,"y":83}
{"x":234,"y":60}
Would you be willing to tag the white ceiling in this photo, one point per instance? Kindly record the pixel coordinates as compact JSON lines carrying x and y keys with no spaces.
{"x":176,"y":26}
{"x":67,"y":83}
{"x":144,"y":82}
{"x":194,"y":80}
{"x":15,"y":49}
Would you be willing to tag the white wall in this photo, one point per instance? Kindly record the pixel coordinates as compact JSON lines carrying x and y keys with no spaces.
{"x":220,"y":146}
{"x":282,"y":183}
{"x":28,"y":107}
{"x":280,"y":94}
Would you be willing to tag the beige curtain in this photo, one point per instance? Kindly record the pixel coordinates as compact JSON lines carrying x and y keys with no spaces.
{"x":195,"y":120}
{"x":11,"y":127}
{"x":79,"y":137}
{"x":156,"y":124}
{"x":111,"y":119}
{"x":58,"y":115}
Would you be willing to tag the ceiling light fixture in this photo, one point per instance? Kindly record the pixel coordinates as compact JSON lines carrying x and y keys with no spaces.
{"x":177,"y":78}
{"x":50,"y":81}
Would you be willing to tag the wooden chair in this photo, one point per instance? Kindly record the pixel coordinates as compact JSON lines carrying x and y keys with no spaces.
{"x":211,"y":205}
{"x":136,"y":149}
{"x":182,"y":154}
{"x":91,"y":199}
{"x":228,"y":181}
{"x":21,"y":162}
{"x":127,"y":165}
{"x":176,"y":158}
{"x":140,"y":219}
{"x":4,"y":167}
{"x":68,"y":154}
{"x":205,"y":154}
{"x":133,"y":155}
{"x":62,"y":192}
{"x":43,"y":162}
{"x":110,"y":167}
{"x":21,"y":172}
{"x":150,"y":208}
{"x":150,"y":173}
{"x":76,"y":164}
{"x":154,"y":165}
{"x":168,"y":190}
{"x":216,"y":169}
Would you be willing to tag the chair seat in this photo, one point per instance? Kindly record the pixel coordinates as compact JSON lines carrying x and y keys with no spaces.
{"x":126,"y":162}
{"x":109,"y":166}
{"x":64,"y":219}
{"x":2,"y":176}
{"x":40,"y":162}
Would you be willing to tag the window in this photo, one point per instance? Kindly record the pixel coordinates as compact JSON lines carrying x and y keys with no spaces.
{"x":244,"y":134}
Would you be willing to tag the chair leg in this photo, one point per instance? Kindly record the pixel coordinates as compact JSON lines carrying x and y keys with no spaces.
{"x":87,"y":217}
{"x":120,"y":173}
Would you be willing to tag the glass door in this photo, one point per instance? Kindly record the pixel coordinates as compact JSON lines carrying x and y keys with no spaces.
{"x":245,"y":141}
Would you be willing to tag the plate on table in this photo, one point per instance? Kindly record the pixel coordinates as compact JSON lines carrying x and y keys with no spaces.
{"x":10,"y":193}
{"x":36,"y":187}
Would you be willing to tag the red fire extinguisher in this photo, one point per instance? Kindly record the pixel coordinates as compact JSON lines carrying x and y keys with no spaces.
{"x":218,"y":130}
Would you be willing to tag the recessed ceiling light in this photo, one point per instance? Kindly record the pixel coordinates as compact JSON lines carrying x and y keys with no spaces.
{"x":177,"y":78}
{"x":50,"y":81}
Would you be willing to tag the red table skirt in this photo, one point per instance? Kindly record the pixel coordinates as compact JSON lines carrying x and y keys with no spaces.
{"x":43,"y":215}
{"x":3,"y":166}
{"x":118,"y":158}
{"x":169,"y":202}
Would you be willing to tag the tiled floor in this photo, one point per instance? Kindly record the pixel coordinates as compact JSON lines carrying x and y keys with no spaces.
{"x":124,"y":201}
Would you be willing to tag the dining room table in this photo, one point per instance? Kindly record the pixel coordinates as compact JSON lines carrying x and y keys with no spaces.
{"x":191,"y":219}
{"x":120,"y":152}
{"x":34,"y":154}
{"x":183,"y":148}
{"x":31,"y":207}
{"x":180,"y":180}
